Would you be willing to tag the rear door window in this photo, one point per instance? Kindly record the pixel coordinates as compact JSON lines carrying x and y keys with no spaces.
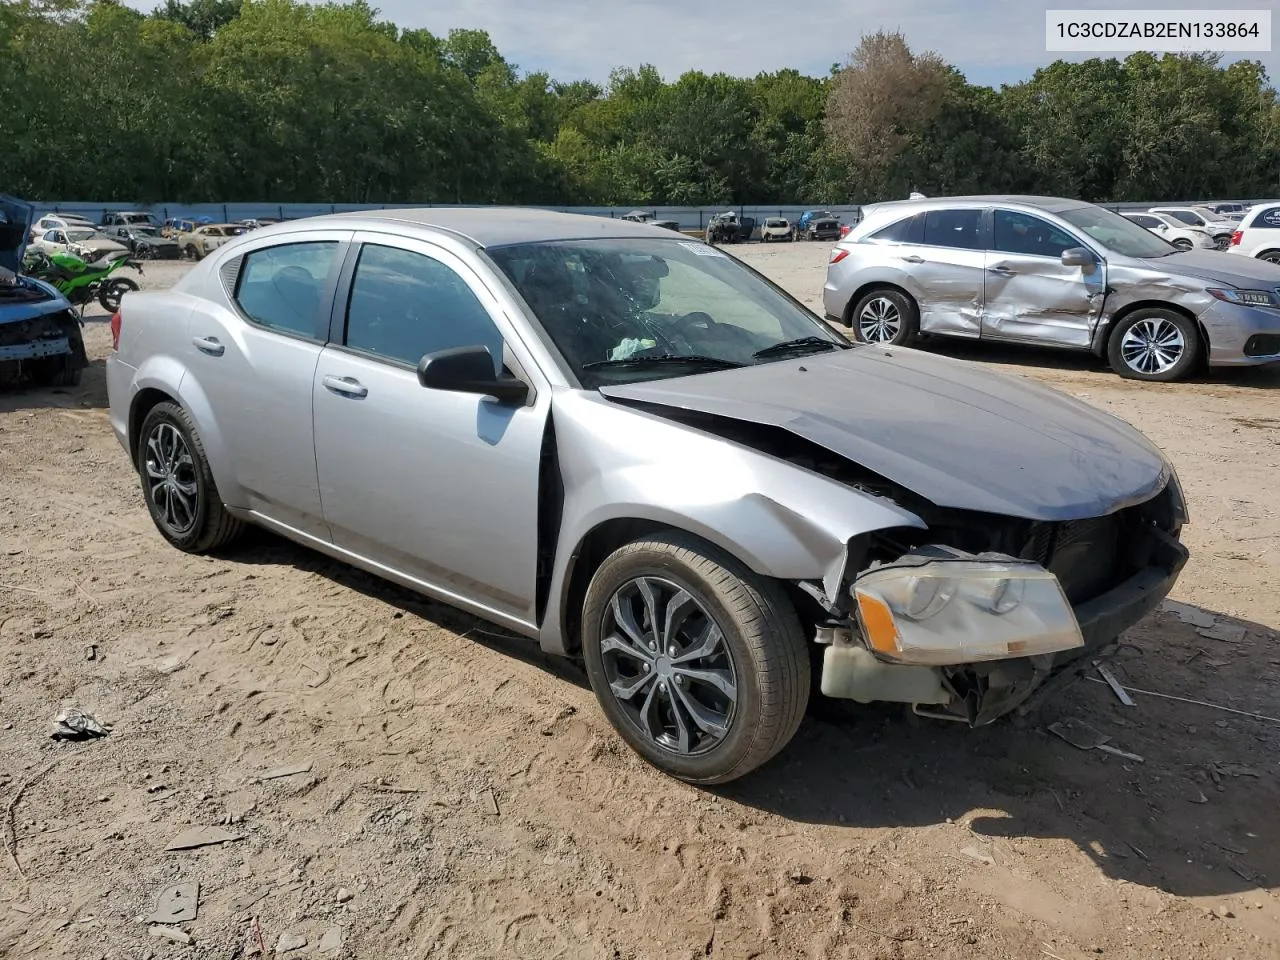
{"x":952,"y":228}
{"x":282,"y":287}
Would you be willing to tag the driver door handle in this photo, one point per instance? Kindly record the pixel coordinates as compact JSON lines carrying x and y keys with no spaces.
{"x":346,"y":386}
{"x":209,"y":345}
{"x":912,"y":259}
{"x":1004,"y":270}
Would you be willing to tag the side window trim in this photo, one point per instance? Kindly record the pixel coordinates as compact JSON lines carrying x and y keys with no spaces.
{"x":327,"y":289}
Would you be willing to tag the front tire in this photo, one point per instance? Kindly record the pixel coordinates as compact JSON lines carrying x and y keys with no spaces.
{"x":885,"y":316}
{"x":1183,"y":244}
{"x":700,"y":665}
{"x":178,"y":485}
{"x":1154,"y":344}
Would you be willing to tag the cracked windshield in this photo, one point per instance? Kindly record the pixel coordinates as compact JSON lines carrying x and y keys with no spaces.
{"x":625,"y":310}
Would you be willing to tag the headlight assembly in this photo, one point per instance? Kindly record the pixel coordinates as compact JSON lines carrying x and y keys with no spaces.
{"x":945,"y":612}
{"x":1251,"y":298}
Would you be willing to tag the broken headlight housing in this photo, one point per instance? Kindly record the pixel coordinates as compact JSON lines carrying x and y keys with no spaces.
{"x":955,"y":608}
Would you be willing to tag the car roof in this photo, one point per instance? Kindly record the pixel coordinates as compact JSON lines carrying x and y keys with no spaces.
{"x":1048,"y":204}
{"x":488,"y":226}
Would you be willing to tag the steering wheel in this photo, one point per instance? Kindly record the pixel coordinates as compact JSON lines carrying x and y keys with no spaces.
{"x":697,"y":321}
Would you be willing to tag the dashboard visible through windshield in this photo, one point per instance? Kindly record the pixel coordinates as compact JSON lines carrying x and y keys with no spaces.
{"x":620,"y":310}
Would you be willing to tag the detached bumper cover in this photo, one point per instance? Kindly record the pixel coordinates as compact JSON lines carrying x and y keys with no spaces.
{"x":979,"y":693}
{"x":989,"y":691}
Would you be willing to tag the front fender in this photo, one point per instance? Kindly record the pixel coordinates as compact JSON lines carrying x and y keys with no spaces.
{"x":781,"y":521}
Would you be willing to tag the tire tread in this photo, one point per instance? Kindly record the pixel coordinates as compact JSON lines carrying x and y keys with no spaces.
{"x":769,"y":626}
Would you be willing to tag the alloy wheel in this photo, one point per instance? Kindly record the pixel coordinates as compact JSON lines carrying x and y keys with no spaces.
{"x":171,"y":479}
{"x":880,"y":320}
{"x":668,"y":666}
{"x":1152,"y":346}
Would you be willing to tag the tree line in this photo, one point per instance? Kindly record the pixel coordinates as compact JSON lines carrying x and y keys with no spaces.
{"x":283,"y":101}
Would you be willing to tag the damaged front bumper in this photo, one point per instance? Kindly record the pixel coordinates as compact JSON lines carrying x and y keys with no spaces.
{"x":978,"y":677}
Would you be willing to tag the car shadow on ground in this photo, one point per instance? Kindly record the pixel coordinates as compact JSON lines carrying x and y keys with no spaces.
{"x":1263,"y":377}
{"x":1196,"y":817}
{"x":90,"y":393}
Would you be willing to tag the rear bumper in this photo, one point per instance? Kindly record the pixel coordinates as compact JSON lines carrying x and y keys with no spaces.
{"x":120,"y":391}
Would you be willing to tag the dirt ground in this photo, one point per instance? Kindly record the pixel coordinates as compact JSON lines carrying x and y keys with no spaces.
{"x":396,"y":779}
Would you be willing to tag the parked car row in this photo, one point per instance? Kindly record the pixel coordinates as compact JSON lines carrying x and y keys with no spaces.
{"x":1059,"y":273}
{"x":138,"y":233}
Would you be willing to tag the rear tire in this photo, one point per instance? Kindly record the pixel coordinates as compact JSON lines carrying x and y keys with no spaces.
{"x":1271,"y":256}
{"x":1154,"y":344}
{"x":699,"y":664}
{"x":885,"y":316}
{"x":1183,"y":244}
{"x":178,"y":485}
{"x":112,"y":290}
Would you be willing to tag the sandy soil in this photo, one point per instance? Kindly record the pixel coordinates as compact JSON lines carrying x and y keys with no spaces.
{"x":462,"y":796}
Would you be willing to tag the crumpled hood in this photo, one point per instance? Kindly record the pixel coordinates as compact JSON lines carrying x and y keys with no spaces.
{"x":956,"y":434}
{"x":15,"y":228}
{"x":1220,"y":268}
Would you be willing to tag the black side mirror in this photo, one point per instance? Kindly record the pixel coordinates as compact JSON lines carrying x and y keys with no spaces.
{"x":469,"y":370}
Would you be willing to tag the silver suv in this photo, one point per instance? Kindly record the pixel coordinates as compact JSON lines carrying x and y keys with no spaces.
{"x":1055,"y":273}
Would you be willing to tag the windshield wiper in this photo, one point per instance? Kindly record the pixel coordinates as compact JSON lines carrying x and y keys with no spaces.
{"x":663,"y":358}
{"x":798,"y":345}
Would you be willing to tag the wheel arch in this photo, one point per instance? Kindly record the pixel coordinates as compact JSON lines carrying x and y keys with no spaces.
{"x":871,"y":286}
{"x":1106,"y":330}
{"x":609,"y":535}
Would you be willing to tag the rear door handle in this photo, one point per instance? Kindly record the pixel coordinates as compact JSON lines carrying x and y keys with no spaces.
{"x":209,"y":345}
{"x":345,"y":386}
{"x":912,"y":259}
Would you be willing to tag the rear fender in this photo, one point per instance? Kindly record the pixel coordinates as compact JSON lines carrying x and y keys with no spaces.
{"x":167,"y":375}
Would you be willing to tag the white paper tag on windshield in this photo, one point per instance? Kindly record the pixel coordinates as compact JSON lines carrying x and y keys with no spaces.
{"x":702,"y":249}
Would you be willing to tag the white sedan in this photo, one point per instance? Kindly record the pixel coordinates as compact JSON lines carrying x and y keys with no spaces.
{"x":1181,"y":235}
{"x":82,"y":242}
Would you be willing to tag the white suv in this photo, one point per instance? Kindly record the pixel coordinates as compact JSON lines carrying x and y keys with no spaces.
{"x":1259,"y":233}
{"x":1181,"y":235}
{"x":776,"y":228}
{"x":1218,"y":226}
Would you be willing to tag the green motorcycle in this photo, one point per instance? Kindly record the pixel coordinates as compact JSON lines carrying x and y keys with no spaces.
{"x":82,"y":282}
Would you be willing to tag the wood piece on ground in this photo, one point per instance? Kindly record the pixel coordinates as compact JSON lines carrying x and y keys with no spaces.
{"x":201,"y":837}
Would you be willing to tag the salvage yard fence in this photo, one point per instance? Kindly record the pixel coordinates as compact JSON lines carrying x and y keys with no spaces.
{"x":689,"y":218}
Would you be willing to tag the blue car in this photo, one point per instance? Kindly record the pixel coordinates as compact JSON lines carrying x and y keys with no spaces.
{"x":40,"y":338}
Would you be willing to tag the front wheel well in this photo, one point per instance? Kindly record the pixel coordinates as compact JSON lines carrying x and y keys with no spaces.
{"x":143,"y":403}
{"x":865,"y":289}
{"x":1100,"y":348}
{"x":603,"y":540}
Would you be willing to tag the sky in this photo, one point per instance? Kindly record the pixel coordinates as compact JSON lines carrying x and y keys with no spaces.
{"x":990,"y":41}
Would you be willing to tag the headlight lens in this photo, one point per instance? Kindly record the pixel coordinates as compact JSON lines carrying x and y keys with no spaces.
{"x":962,"y":611}
{"x":1250,"y":298}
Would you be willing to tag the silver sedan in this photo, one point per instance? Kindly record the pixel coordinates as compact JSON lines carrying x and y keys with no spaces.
{"x":634,"y":450}
{"x":1047,"y":272}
